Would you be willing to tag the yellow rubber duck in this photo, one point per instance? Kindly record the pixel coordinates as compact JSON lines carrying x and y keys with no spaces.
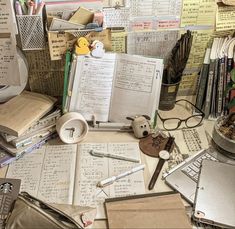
{"x":82,"y":46}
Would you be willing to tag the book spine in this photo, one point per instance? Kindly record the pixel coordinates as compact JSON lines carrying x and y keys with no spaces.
{"x":226,"y":81}
{"x":201,"y":92}
{"x":202,"y":86}
{"x":214,"y":90}
{"x":219,"y":98}
{"x":209,"y":89}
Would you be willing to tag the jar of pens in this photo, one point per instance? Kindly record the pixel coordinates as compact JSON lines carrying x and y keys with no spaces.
{"x":174,"y":70}
{"x":30,"y":24}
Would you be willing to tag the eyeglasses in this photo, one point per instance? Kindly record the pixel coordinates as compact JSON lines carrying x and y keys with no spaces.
{"x":190,"y":122}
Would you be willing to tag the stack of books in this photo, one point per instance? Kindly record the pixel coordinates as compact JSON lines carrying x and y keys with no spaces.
{"x":26,"y":122}
{"x":214,"y":77}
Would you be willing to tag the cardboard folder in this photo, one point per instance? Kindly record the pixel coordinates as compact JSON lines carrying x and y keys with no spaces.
{"x":164,"y":210}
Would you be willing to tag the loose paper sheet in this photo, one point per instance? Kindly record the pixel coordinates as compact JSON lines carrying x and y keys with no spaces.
{"x":7,"y":17}
{"x":155,"y":43}
{"x":59,"y":43}
{"x":92,"y":169}
{"x":116,"y":17}
{"x":118,"y":41}
{"x":45,"y":76}
{"x":136,"y":79}
{"x":155,"y":8}
{"x":9,"y":67}
{"x":93,"y":86}
{"x":225,"y":18}
{"x":196,"y":13}
{"x":47,"y":173}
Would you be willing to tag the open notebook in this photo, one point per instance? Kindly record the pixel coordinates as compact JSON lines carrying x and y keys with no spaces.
{"x":69,"y":174}
{"x":114,"y":86}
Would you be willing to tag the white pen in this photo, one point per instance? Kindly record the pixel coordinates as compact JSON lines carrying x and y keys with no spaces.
{"x":110,"y":180}
{"x":101,"y":154}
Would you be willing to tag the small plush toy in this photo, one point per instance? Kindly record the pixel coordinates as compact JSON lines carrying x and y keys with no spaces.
{"x":97,"y":49}
{"x":140,"y":126}
{"x":82,"y":46}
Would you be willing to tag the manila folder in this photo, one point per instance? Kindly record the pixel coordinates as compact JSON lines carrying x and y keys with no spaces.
{"x":148,"y":211}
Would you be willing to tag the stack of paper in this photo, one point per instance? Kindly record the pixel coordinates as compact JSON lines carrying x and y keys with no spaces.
{"x":26,"y":122}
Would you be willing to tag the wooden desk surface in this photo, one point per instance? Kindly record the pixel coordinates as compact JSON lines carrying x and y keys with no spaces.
{"x":150,"y":162}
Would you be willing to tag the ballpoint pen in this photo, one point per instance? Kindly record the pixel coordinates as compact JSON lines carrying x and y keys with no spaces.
{"x":112,"y":179}
{"x":101,"y":154}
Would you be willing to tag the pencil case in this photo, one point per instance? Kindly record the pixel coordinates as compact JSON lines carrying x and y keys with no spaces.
{"x":30,"y":212}
{"x":31,"y":32}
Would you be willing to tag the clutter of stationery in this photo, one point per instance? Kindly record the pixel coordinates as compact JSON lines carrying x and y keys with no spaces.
{"x":103,"y":146}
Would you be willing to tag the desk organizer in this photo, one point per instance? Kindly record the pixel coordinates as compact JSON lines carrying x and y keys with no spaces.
{"x":31,"y":32}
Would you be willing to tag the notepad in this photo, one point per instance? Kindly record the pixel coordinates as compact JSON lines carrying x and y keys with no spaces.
{"x":115,"y":86}
{"x":68,"y":174}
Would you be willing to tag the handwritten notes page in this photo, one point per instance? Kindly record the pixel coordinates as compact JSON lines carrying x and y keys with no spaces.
{"x":196,"y":13}
{"x":7,"y":18}
{"x":90,"y":170}
{"x":118,"y":41}
{"x":92,"y":86}
{"x":152,"y":43}
{"x":136,"y":87}
{"x":166,"y":12}
{"x":116,"y":17}
{"x":225,"y":18}
{"x":9,"y":67}
{"x":47,"y":173}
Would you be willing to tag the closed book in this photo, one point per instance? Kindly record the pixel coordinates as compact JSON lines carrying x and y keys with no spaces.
{"x":21,"y":112}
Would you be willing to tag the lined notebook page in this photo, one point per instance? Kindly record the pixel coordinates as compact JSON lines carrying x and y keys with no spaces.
{"x":90,"y":170}
{"x":47,"y":173}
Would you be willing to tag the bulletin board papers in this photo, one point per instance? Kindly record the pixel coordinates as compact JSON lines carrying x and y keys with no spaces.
{"x":225,"y":18}
{"x":7,"y":18}
{"x":153,"y":43}
{"x":195,"y":13}
{"x":161,"y":14}
{"x":116,"y":17}
{"x":9,"y":66}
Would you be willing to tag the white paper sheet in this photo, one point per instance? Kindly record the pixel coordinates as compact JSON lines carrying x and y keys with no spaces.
{"x":157,"y":44}
{"x":47,"y":173}
{"x":91,"y":170}
{"x":116,"y":17}
{"x":92,"y":89}
{"x":9,"y":66}
{"x":7,"y":17}
{"x":136,"y":87}
{"x":167,"y":12}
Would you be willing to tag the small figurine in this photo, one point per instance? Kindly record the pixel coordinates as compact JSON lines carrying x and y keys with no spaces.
{"x":82,"y":46}
{"x":140,"y":126}
{"x":97,"y":49}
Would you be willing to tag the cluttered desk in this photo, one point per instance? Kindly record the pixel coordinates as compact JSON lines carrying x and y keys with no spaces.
{"x":117,"y":114}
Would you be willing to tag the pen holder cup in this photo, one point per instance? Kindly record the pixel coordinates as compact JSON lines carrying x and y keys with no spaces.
{"x":31,"y":32}
{"x":168,"y":96}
